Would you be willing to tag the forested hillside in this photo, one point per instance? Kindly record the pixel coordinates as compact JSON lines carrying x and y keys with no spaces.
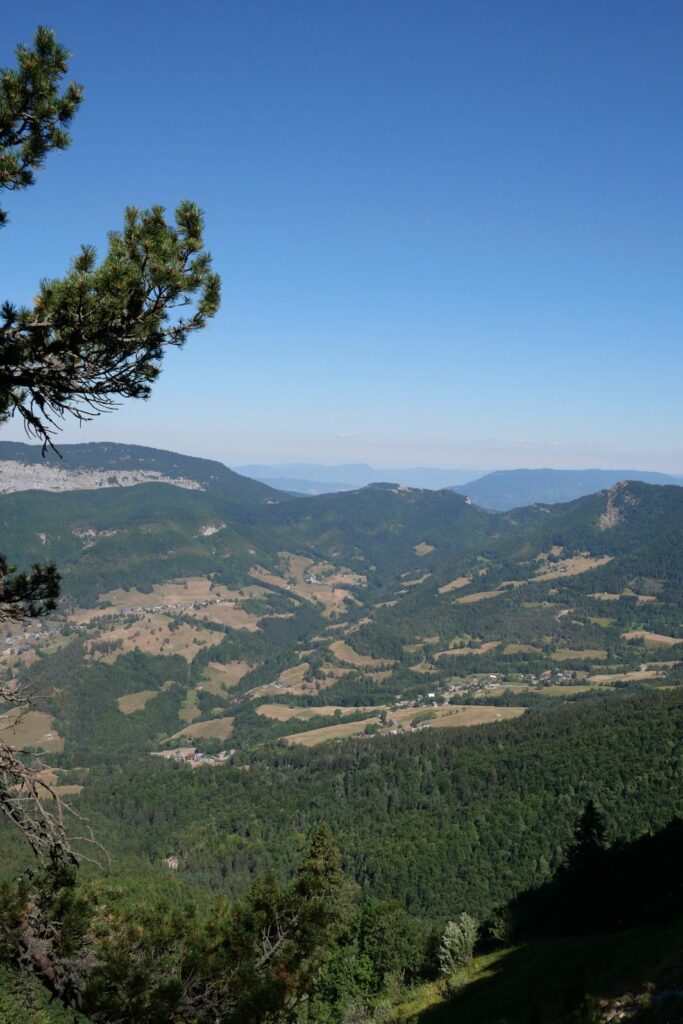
{"x":442,"y":686}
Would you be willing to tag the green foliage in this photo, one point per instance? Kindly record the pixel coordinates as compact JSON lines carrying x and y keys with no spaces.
{"x":589,"y":836}
{"x":24,"y":1001}
{"x":457,"y":943}
{"x":442,"y":821}
{"x":99,"y":333}
{"x":34,"y":113}
{"x":27,"y":594}
{"x":394,"y":942}
{"x":154,"y":961}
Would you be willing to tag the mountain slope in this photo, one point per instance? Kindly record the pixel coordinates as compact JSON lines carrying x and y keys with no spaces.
{"x":507,"y":489}
{"x":104,"y":464}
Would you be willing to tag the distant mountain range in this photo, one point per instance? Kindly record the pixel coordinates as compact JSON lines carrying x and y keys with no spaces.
{"x":513,"y":488}
{"x":498,"y":491}
{"x":312,"y":478}
{"x":104,"y":465}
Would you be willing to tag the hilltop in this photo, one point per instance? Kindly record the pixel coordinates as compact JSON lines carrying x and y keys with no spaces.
{"x":513,"y":488}
{"x":105,"y":465}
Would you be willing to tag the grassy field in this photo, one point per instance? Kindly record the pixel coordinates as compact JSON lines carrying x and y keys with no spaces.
{"x":30,"y":729}
{"x":462,"y":651}
{"x":569,"y":567}
{"x":282,"y":713}
{"x":458,"y":584}
{"x":626,"y":677}
{"x":652,"y":639}
{"x":227,"y":613}
{"x":218,"y":678}
{"x":423,"y":549}
{"x":417,"y":581}
{"x":459,"y":715}
{"x":452,"y":716}
{"x":296,"y":571}
{"x":330,"y":732}
{"x":568,"y":691}
{"x":151,"y":635}
{"x":343,"y":652}
{"x":641,"y":598}
{"x":132,"y":702}
{"x":567,"y":654}
{"x":216,"y":729}
{"x":189,"y":711}
{"x":294,"y":676}
{"x":601,"y":620}
{"x":481,"y":595}
{"x":548,"y":980}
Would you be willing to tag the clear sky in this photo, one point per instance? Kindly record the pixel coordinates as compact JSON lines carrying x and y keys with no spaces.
{"x":450,"y":233}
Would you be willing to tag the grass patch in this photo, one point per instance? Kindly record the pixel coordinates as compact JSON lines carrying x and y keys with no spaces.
{"x":568,"y":654}
{"x":462,"y":581}
{"x":652,"y":639}
{"x":520,"y":649}
{"x":132,"y":702}
{"x":30,"y":729}
{"x":343,"y":652}
{"x":330,"y":732}
{"x":216,"y":729}
{"x":547,"y":980}
{"x":423,"y":548}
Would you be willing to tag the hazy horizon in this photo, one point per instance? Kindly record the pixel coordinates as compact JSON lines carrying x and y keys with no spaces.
{"x":94,"y":433}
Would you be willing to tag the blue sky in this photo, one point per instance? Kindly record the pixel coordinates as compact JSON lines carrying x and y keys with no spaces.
{"x":450,"y":233}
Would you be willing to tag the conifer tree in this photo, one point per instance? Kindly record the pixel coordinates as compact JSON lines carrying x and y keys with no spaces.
{"x":91,"y":338}
{"x":589,"y":835}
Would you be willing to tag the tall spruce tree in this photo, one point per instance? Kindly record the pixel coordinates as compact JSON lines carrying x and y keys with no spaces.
{"x":90,"y":338}
{"x":589,"y":836}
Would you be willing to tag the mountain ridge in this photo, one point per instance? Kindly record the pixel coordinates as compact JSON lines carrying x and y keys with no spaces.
{"x":504,"y":490}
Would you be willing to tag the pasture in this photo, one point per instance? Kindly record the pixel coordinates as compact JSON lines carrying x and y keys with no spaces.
{"x":423,"y":548}
{"x":452,"y":716}
{"x":215,"y":729}
{"x":652,"y":639}
{"x":455,"y":652}
{"x":152,"y":634}
{"x":23,"y":729}
{"x":575,"y":566}
{"x":567,"y":654}
{"x":226,"y":613}
{"x":133,"y":702}
{"x":480,"y":595}
{"x":457,"y":584}
{"x":520,"y":649}
{"x":456,"y":716}
{"x":626,"y":677}
{"x":296,"y":572}
{"x":343,"y":652}
{"x":282,"y":713}
{"x":218,"y":678}
{"x":340,"y":731}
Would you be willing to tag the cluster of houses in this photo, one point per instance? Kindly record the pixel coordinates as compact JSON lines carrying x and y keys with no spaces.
{"x":194,"y":757}
{"x":170,"y":607}
{"x":25,"y":641}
